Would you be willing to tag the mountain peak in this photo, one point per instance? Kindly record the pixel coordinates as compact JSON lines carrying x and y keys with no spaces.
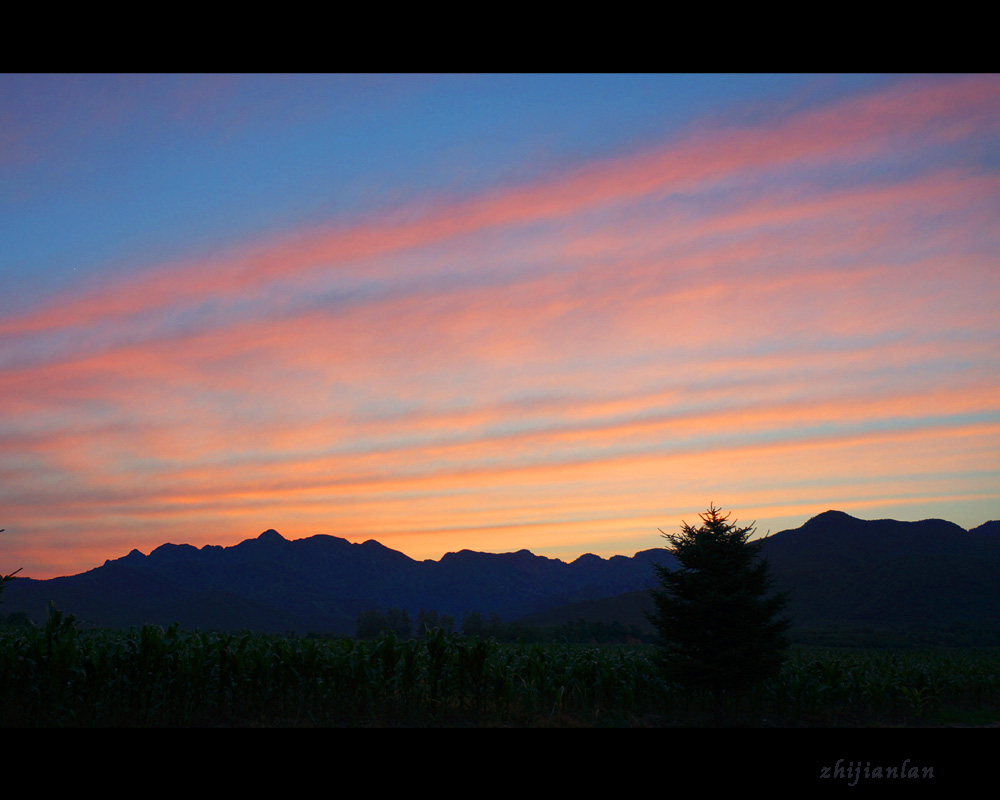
{"x":833,"y":514}
{"x":372,"y":544}
{"x":271,"y":535}
{"x":828,"y":518}
{"x":992,"y":528}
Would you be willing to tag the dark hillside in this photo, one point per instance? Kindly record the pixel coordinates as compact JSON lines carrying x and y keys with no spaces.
{"x":881,"y":580}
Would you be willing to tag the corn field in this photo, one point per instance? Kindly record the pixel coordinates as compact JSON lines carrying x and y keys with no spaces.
{"x":58,"y":675}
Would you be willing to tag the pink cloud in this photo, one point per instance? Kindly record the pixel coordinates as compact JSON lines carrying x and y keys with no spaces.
{"x":940,"y":110}
{"x":754,"y":348}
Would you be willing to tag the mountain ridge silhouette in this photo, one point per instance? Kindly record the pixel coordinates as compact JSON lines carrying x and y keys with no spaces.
{"x":840,"y":570}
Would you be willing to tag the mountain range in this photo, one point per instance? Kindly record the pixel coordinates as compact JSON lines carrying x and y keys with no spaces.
{"x":930,"y":579}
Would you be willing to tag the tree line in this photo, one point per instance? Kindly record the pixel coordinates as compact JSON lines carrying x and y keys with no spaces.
{"x":374,"y":623}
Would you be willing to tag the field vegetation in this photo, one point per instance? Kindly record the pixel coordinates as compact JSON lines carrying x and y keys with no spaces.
{"x":60,"y":675}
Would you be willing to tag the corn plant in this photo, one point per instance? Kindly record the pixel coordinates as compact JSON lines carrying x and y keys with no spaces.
{"x":58,"y":674}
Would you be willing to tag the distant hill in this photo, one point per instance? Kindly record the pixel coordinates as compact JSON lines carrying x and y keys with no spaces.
{"x":320,"y":583}
{"x":865,"y":582}
{"x":921,"y":581}
{"x":629,"y":609}
{"x":851,"y":581}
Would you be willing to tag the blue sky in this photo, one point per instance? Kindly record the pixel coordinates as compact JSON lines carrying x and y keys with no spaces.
{"x":491,"y":311}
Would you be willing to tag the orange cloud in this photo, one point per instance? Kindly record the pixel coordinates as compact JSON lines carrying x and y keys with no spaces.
{"x":542,"y":362}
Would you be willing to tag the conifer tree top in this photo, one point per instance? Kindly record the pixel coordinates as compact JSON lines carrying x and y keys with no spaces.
{"x":719,"y":629}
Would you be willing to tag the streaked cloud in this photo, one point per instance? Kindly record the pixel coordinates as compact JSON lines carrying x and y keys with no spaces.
{"x":779,"y":317}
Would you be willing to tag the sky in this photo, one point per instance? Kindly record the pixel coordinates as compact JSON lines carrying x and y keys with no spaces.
{"x":491,"y":312}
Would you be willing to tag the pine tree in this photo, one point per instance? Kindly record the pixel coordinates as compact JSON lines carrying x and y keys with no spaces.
{"x":718,"y":628}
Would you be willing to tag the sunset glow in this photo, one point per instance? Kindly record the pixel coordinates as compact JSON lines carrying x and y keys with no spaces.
{"x":491,"y":312}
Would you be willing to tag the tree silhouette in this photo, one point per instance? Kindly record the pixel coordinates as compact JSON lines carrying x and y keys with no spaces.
{"x":372,"y":623}
{"x":428,"y":621}
{"x":5,"y":578}
{"x":717,"y":627}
